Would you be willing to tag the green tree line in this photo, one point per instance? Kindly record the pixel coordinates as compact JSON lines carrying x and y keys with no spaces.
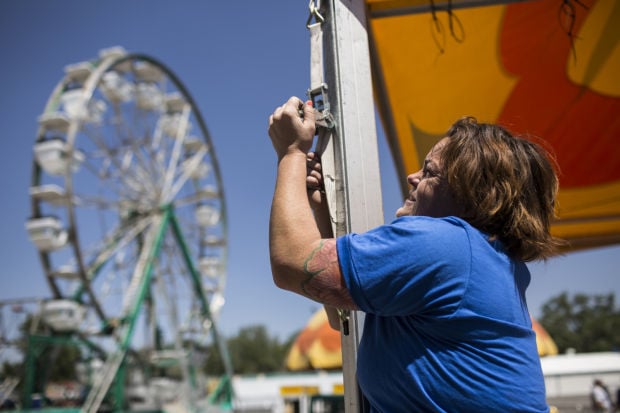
{"x":586,"y":323}
{"x":252,"y":350}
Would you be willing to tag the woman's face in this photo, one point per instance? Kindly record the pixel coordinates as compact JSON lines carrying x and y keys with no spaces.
{"x":430,"y":195}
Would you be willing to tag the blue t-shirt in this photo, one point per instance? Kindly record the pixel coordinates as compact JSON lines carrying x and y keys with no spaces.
{"x":447,"y":327}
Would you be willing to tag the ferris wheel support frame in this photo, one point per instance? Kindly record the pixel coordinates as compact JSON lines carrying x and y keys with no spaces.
{"x":35,"y":344}
{"x":115,"y":363}
{"x":204,"y":304}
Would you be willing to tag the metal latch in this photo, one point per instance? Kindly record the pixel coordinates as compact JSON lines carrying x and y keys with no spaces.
{"x":320,"y":102}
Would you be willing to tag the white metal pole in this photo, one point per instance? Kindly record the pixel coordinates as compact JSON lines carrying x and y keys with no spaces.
{"x":348,"y":76}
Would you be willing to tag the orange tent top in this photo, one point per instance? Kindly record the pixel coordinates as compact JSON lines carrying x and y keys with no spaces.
{"x":545,"y":344}
{"x":317,"y":347}
{"x":513,"y":64}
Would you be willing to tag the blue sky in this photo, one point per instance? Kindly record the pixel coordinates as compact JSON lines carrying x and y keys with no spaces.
{"x":239,"y":60}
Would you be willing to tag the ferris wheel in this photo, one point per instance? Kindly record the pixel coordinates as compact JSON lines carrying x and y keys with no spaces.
{"x":129,"y":216}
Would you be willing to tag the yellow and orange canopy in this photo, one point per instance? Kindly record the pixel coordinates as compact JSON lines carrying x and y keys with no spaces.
{"x":513,"y":64}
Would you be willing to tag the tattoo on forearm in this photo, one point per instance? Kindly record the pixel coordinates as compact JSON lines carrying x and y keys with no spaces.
{"x":311,"y":274}
{"x":322,"y":282}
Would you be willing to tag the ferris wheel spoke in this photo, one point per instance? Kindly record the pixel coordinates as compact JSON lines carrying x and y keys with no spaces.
{"x":93,"y":168}
{"x":147,"y":250}
{"x":116,"y":199}
{"x":151,"y":156}
{"x":191,"y":165}
{"x":200,"y":195}
{"x":101,"y":203}
{"x":112,"y":244}
{"x":158,"y":136}
{"x":114,"y":157}
{"x":117,"y":240}
{"x":147,"y":169}
{"x":167,"y":286}
{"x":128,"y":140}
{"x":176,"y":153}
{"x":113,"y":284}
{"x":119,"y":189}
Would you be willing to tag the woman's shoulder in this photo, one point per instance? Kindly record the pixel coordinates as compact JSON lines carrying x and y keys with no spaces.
{"x":427,"y":231}
{"x":449,"y":231}
{"x":449,"y":223}
{"x":431,"y":235}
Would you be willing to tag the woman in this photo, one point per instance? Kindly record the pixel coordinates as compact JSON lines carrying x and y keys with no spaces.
{"x":447,"y":327}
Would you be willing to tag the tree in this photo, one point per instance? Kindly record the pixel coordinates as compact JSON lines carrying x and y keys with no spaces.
{"x":585,"y":323}
{"x":57,"y":360}
{"x":252,"y":350}
{"x":11,"y":370}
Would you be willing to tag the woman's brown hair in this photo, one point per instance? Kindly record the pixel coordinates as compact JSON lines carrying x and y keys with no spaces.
{"x":506,"y":185}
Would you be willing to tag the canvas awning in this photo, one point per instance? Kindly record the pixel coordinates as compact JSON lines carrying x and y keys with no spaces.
{"x":513,"y":63}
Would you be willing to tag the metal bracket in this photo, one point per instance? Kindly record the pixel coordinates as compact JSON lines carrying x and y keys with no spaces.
{"x":320,"y":102}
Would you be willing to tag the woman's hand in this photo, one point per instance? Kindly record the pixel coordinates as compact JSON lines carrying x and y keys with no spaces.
{"x":314,"y":181}
{"x":289,"y":132}
{"x":316,"y":195}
